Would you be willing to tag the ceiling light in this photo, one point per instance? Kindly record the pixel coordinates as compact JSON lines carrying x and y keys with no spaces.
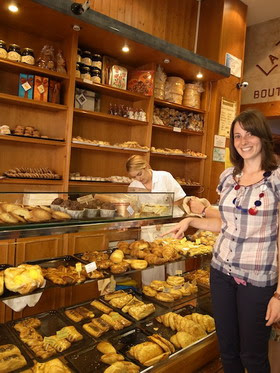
{"x":199,"y":75}
{"x":166,"y":60}
{"x":13,"y":8}
{"x":125,"y":48}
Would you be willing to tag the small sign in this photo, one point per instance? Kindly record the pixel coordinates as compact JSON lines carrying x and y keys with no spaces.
{"x":177,"y":129}
{"x":178,"y":272}
{"x":90,"y":267}
{"x":87,"y":81}
{"x":26,"y":86}
{"x":220,"y":141}
{"x":62,"y":334}
{"x":78,"y":267}
{"x":166,"y":290}
{"x":178,"y":287}
{"x":219,"y":155}
{"x":81,"y":99}
{"x":85,"y":199}
{"x":130,"y":210}
{"x":41,"y":89}
{"x":234,"y":64}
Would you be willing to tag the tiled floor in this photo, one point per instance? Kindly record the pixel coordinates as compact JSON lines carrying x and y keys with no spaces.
{"x":214,"y":366}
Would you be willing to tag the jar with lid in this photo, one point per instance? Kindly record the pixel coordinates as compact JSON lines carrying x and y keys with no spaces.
{"x":27,"y":56}
{"x":14,"y":53}
{"x":78,"y":72}
{"x":85,"y":72}
{"x":79,"y":55}
{"x":87,"y":58}
{"x":97,"y":61}
{"x":95,"y":74}
{"x":3,"y":49}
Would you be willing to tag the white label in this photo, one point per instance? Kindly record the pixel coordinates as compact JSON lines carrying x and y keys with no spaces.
{"x":166,"y":290}
{"x":41,"y":89}
{"x":178,"y":272}
{"x":85,"y":199}
{"x":26,"y":86}
{"x":90,"y":267}
{"x":177,"y":129}
{"x":87,"y":81}
{"x":81,"y":99}
{"x":130,"y":210}
{"x":178,"y":287}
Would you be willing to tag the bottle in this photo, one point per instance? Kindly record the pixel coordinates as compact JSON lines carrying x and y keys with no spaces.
{"x":97,"y":61}
{"x":85,"y":72}
{"x":78,"y":72}
{"x":87,"y":58}
{"x":3,"y":49}
{"x":79,"y":55}
{"x":27,"y":56}
{"x":95,"y":74}
{"x":14,"y":53}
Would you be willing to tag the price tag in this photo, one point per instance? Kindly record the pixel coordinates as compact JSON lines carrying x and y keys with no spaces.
{"x":79,"y":267}
{"x":87,"y":81}
{"x":49,"y":341}
{"x":26,"y":86}
{"x":62,"y":334}
{"x":90,"y":267}
{"x":178,"y":272}
{"x":130,"y":210}
{"x":197,"y":241}
{"x":177,"y":287}
{"x":186,"y":285}
{"x":177,"y":129}
{"x":166,"y":290}
{"x":85,"y":199}
{"x":41,"y":89}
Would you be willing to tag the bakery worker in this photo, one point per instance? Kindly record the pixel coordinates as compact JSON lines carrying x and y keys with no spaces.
{"x":148,"y":180}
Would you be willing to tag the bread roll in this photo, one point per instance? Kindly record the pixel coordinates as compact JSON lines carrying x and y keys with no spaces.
{"x":117,"y":256}
{"x":106,"y":348}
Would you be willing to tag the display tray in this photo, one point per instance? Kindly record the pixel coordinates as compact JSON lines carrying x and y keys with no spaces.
{"x":159,"y":309}
{"x":51,"y":322}
{"x":66,"y":260}
{"x":37,"y":137}
{"x":155,"y":327}
{"x":32,"y":178}
{"x":87,"y":361}
{"x":178,"y":302}
{"x":7,"y":338}
{"x":125,"y":341}
{"x":97,"y":314}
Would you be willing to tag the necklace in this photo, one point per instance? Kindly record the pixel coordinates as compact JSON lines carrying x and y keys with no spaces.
{"x":258,"y":202}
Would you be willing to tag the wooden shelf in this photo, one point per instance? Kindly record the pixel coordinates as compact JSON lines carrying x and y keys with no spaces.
{"x":182,"y":132}
{"x":181,"y":157}
{"x":109,"y":118}
{"x":177,"y":106}
{"x":18,"y":67}
{"x":105,"y":149}
{"x":31,"y":140}
{"x":15,"y":100}
{"x":31,"y":181}
{"x":95,"y":183}
{"x":111,"y":91}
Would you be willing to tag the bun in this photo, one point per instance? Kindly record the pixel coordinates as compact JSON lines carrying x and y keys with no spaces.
{"x":111,"y":358}
{"x":23,"y":279}
{"x":138,"y":264}
{"x":117,"y":256}
{"x":175,"y":280}
{"x":119,"y":268}
{"x":164,"y":297}
{"x":106,"y":348}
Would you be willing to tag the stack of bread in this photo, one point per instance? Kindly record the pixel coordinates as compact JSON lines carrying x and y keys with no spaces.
{"x":170,"y":290}
{"x":189,"y":328}
{"x":128,"y":303}
{"x":23,"y":279}
{"x":11,"y":358}
{"x":151,"y":352}
{"x":32,"y":173}
{"x":12,"y":213}
{"x":174,"y":89}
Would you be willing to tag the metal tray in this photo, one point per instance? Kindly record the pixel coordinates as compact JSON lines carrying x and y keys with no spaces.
{"x":159,"y":309}
{"x":202,"y":291}
{"x":51,"y":322}
{"x":7,"y":338}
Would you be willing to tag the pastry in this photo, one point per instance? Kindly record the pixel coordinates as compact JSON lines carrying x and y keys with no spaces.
{"x":133,"y":302}
{"x":74,"y":315}
{"x":176,"y":294}
{"x":164,"y":297}
{"x":115,"y":294}
{"x":142,"y":311}
{"x":121,"y":301}
{"x":115,"y":324}
{"x":111,"y":358}
{"x":23,"y":279}
{"x":120,"y":319}
{"x":117,"y":256}
{"x":11,"y":358}
{"x":158,"y":285}
{"x":175,"y":280}
{"x":150,"y":292}
{"x":106,"y":348}
{"x":31,"y":322}
{"x":93,"y":330}
{"x":71,"y":333}
{"x":60,"y":215}
{"x":101,"y":324}
{"x":43,"y":350}
{"x":101,"y":307}
{"x":138,"y":264}
{"x":119,"y":268}
{"x":55,"y":366}
{"x":122,"y":367}
{"x":59,"y":344}
{"x":148,"y":353}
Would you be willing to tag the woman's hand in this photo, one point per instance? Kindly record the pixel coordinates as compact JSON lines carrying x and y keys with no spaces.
{"x":179,"y":229}
{"x":196,"y":206}
{"x":273,"y":311}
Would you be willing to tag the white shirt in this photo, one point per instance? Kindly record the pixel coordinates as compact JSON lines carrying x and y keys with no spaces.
{"x":162,"y":181}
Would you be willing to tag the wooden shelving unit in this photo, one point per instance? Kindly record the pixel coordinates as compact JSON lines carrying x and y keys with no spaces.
{"x":15,"y":100}
{"x":30,"y":140}
{"x":106,"y":149}
{"x":31,"y":181}
{"x":177,"y":130}
{"x":171,"y":105}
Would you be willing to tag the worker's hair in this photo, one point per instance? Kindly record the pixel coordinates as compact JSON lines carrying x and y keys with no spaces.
{"x":136,"y":163}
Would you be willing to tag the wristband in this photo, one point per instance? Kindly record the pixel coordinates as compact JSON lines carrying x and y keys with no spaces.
{"x":276,"y":295}
{"x":203,"y":214}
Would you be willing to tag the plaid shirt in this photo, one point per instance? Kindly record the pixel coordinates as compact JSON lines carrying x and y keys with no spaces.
{"x":247,"y":245}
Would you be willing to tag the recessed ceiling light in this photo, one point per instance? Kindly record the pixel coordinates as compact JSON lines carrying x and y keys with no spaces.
{"x":166,"y":60}
{"x":199,"y":76}
{"x":13,"y":8}
{"x":125,"y":49}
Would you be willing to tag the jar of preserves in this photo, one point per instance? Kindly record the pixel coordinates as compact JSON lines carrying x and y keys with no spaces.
{"x":85,"y":72}
{"x":79,"y":55}
{"x":3,"y":49}
{"x":78,"y":72}
{"x":27,"y":56}
{"x":14,"y":53}
{"x":97,"y":61}
{"x":87,"y":58}
{"x":95,"y":74}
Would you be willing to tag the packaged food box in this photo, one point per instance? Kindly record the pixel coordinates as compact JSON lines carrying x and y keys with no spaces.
{"x":26,"y":86}
{"x":41,"y":88}
{"x":141,"y":81}
{"x":118,"y":77}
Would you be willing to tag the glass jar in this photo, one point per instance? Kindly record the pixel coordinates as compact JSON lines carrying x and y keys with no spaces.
{"x":27,"y":56}
{"x":97,"y":61}
{"x":14,"y":53}
{"x":79,"y":55}
{"x":78,"y":72}
{"x":95,"y":74}
{"x":87,"y":58}
{"x":3,"y":49}
{"x":85,"y":72}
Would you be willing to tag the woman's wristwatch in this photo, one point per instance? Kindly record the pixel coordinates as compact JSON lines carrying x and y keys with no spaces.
{"x":276,"y":295}
{"x":203,"y":213}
